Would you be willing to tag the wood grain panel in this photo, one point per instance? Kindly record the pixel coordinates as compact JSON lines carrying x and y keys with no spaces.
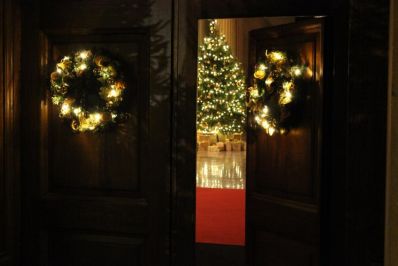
{"x":302,"y":254}
{"x":70,"y":249}
{"x":287,"y":218}
{"x":113,"y":183}
{"x":283,"y":177}
{"x":288,"y":164}
{"x":92,"y":181}
{"x":97,"y":13}
{"x":96,"y":157}
{"x":116,"y":215}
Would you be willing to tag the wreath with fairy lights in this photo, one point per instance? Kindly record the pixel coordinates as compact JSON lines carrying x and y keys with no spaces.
{"x":88,"y":88}
{"x":277,"y":91}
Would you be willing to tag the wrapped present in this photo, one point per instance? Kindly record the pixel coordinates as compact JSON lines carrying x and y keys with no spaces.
{"x":213,"y":148}
{"x":203,"y":145}
{"x":222,"y":138}
{"x":237,"y":145}
{"x":203,"y":137}
{"x":221,"y":146}
{"x":214,"y":139}
{"x":228,"y":146}
{"x":238,"y":136}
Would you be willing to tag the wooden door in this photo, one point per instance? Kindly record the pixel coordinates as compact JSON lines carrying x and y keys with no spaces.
{"x":9,"y":134}
{"x":283,"y":171}
{"x":97,"y":198}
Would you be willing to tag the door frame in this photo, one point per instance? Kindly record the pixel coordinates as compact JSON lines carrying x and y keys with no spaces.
{"x":10,"y":48}
{"x":335,"y":248}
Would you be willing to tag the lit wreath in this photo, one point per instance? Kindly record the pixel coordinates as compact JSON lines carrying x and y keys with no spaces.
{"x":88,"y":88}
{"x":274,"y":92}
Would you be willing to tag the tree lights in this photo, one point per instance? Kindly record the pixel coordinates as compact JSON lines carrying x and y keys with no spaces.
{"x":221,"y":87}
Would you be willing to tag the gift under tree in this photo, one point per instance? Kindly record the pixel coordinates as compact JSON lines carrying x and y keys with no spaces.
{"x":221,"y":87}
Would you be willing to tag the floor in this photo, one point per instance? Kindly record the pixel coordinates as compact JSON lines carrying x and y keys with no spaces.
{"x":219,"y":255}
{"x":221,"y":169}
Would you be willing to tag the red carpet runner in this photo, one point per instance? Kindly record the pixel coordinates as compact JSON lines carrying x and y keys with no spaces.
{"x":220,"y":216}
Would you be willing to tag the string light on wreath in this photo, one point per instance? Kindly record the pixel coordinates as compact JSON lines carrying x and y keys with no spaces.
{"x":70,"y":87}
{"x":274,"y":90}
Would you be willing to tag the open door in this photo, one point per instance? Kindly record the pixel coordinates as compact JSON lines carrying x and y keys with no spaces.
{"x":283,"y":171}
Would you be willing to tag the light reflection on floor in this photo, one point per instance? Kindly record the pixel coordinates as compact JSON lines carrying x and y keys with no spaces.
{"x":221,"y":169}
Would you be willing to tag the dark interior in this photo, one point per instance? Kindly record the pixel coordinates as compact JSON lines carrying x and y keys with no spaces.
{"x":127,"y":196}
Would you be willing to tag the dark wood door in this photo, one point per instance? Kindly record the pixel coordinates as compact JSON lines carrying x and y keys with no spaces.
{"x":283,"y":171}
{"x":97,"y":198}
{"x":9,"y":134}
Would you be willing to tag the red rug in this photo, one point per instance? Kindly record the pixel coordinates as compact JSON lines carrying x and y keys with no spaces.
{"x":220,"y":216}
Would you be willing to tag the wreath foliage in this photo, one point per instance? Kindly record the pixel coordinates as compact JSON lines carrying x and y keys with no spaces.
{"x":277,"y":91}
{"x":88,"y":88}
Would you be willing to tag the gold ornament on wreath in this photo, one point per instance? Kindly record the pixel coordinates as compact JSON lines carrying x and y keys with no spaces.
{"x":279,"y":83}
{"x":88,"y":88}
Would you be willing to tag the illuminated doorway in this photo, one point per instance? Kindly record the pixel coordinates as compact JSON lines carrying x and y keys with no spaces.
{"x":223,"y":64}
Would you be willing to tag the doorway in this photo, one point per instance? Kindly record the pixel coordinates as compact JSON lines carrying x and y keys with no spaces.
{"x":222,"y":143}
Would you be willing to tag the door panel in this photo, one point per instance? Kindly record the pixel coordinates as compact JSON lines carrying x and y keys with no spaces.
{"x":99,"y":158}
{"x":95,"y":198}
{"x":93,"y":184}
{"x":283,"y":176}
{"x":79,"y":249}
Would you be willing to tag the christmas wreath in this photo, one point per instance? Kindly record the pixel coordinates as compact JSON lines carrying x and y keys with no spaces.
{"x":88,"y":88}
{"x":275,"y":93}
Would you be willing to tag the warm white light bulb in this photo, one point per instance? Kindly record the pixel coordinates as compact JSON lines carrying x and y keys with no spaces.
{"x":271,"y":131}
{"x":77,"y":111}
{"x":65,"y":109}
{"x":265,"y":124}
{"x":297,"y":72}
{"x":254,"y":93}
{"x":83,"y":55}
{"x":97,"y":117}
{"x":83,"y":66}
{"x":113,"y":93}
{"x":269,"y":81}
{"x":287,"y":85}
{"x":277,"y":56}
{"x":262,"y":67}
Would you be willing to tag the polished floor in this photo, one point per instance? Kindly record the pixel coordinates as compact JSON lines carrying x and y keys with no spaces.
{"x":221,"y":169}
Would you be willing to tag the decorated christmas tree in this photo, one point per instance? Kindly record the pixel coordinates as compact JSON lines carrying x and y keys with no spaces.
{"x":221,"y":87}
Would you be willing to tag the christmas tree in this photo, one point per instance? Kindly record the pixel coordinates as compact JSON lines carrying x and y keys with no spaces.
{"x":221,"y":87}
